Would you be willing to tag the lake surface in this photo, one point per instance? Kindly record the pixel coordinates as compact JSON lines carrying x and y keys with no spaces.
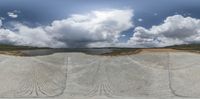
{"x":93,"y":51}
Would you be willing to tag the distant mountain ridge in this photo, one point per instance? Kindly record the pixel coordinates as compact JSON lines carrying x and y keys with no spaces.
{"x":107,"y":51}
{"x":7,"y":47}
{"x":185,"y":47}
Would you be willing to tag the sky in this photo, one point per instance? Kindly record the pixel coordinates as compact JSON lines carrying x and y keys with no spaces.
{"x":99,"y":23}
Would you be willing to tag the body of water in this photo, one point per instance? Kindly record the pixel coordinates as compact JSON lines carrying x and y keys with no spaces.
{"x":93,"y":51}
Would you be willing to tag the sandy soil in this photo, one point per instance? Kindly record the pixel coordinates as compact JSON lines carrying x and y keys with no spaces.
{"x":14,"y":53}
{"x":159,"y":50}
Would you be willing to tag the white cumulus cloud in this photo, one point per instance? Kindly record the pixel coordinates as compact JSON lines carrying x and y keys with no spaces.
{"x":24,"y":35}
{"x":97,"y":26}
{"x":13,"y":14}
{"x":140,"y":19}
{"x":175,"y":30}
{"x":103,"y":29}
{"x":79,"y":30}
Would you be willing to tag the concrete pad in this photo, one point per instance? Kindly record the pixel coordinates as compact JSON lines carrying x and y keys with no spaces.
{"x":95,"y":76}
{"x":156,"y":60}
{"x":30,"y":77}
{"x":152,"y":75}
{"x":184,"y":74}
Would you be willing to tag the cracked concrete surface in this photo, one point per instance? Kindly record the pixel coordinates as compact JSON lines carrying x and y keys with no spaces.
{"x":152,"y":75}
{"x":30,"y":77}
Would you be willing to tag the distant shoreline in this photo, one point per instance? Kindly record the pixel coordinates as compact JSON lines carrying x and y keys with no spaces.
{"x":100,"y":52}
{"x":106,"y":51}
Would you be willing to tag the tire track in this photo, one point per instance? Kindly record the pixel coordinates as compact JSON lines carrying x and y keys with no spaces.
{"x":173,"y":91}
{"x":42,"y":80}
{"x":101,"y":83}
